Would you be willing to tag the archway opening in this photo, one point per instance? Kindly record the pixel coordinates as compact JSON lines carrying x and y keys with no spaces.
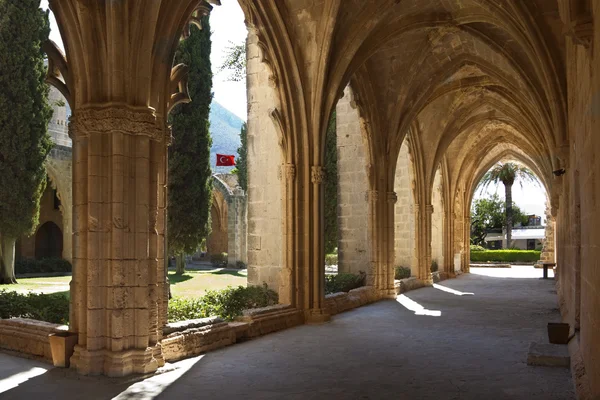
{"x":510,"y":221}
{"x":48,"y":241}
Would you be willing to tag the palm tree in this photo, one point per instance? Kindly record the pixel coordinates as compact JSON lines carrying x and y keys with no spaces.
{"x":507,"y":173}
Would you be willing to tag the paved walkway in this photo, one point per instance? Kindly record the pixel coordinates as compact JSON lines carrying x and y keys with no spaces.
{"x":448,"y":345}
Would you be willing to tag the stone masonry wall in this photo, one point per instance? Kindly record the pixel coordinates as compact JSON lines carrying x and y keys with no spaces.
{"x":265,"y":242}
{"x":353,"y":243}
{"x":405,"y":216}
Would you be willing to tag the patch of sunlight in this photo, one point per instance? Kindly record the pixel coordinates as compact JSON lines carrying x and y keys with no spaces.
{"x":515,"y":271}
{"x":152,"y":387}
{"x":453,"y":291}
{"x":416,"y":307}
{"x":15,"y":380}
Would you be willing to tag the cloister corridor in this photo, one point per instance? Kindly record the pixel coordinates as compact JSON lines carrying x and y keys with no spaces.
{"x":475,"y":349}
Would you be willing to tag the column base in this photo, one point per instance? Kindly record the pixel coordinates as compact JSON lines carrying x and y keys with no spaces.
{"x":387,"y":293}
{"x":316,"y":316}
{"x":116,"y":364}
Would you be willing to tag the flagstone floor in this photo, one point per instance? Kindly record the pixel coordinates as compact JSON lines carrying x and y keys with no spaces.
{"x":466,"y":338}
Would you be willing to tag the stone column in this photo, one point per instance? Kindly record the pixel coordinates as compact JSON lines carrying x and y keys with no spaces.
{"x":315,"y":292}
{"x":387,"y":286}
{"x":423,"y":242}
{"x":448,"y":266}
{"x":236,"y":227}
{"x":466,"y":260}
{"x":118,"y":302}
{"x":548,"y":247}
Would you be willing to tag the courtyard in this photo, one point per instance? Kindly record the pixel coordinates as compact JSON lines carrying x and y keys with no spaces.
{"x":475,"y":348}
{"x":193,"y":283}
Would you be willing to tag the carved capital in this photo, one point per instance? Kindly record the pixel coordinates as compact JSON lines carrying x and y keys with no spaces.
{"x":111,"y":118}
{"x":317,"y":174}
{"x":290,"y":171}
{"x":392,"y":197}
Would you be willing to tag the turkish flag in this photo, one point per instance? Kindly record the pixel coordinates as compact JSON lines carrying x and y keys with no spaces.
{"x":225,"y":160}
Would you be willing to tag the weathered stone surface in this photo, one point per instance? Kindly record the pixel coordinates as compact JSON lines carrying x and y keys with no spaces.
{"x":408,"y":284}
{"x":195,"y":341}
{"x":28,"y":336}
{"x":190,"y":324}
{"x":336,"y":303}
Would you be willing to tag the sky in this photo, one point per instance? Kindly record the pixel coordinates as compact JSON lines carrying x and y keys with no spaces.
{"x":227,"y":25}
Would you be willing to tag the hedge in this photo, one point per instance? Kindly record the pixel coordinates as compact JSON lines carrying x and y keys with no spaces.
{"x":506,"y":255}
{"x":344,"y":282}
{"x":402,"y":272}
{"x":44,"y":265}
{"x":227,"y":303}
{"x":52,"y":308}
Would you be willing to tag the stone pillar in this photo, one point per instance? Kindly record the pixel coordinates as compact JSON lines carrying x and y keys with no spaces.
{"x":437,"y":223}
{"x":266,"y":180}
{"x":314,"y":203}
{"x":117,"y":296}
{"x":466,"y":260}
{"x":548,"y":247}
{"x":423,"y":242}
{"x":236,"y":227}
{"x":448,"y":239}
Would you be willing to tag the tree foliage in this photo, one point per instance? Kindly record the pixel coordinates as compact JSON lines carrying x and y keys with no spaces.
{"x":331,"y":180}
{"x":488,"y":214}
{"x":235,"y":61}
{"x":242,"y":161}
{"x":190,"y":183}
{"x":507,"y":173}
{"x":24,"y":117}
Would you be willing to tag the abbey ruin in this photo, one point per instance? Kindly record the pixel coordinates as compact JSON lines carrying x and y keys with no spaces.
{"x":429,"y":94}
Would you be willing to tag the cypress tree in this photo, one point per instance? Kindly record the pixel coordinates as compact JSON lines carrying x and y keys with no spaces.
{"x":190,"y":183}
{"x":24,"y":117}
{"x":242,"y":161}
{"x":331,"y":180}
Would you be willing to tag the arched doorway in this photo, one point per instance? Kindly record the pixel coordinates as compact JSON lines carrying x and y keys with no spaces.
{"x":48,"y":241}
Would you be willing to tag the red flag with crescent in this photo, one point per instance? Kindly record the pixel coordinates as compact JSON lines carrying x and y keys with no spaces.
{"x":225,"y":160}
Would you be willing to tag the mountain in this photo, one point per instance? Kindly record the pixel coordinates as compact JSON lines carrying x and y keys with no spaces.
{"x":225,"y":131}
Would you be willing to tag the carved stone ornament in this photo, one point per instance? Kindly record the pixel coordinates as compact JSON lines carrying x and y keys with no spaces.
{"x":290,"y":171}
{"x":116,"y":118}
{"x":429,"y":208}
{"x":317,"y":174}
{"x":392,"y":197}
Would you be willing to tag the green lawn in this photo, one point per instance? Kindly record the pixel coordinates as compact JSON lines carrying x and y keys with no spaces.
{"x":191,"y":284}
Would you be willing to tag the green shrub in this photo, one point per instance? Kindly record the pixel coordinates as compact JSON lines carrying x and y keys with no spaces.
{"x":434,"y":266}
{"x":240,"y":265}
{"x":44,"y":265}
{"x":52,"y":308}
{"x":506,"y":255}
{"x":475,"y":247}
{"x":344,"y":282}
{"x":331,"y":259}
{"x":227,"y":303}
{"x":219,"y":260}
{"x":402,"y":272}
